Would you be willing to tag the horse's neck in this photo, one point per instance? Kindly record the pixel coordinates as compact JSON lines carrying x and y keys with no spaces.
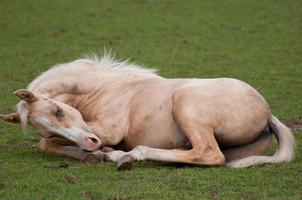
{"x":83,"y":84}
{"x":69,"y":84}
{"x":55,"y":88}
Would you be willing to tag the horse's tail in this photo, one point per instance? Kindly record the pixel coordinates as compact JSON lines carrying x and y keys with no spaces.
{"x":284,"y":153}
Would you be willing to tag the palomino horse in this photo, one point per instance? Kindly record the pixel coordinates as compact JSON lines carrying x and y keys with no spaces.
{"x":84,"y":105}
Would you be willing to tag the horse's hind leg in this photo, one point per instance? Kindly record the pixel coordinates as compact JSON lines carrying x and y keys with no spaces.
{"x":256,"y":148}
{"x":205,"y":150}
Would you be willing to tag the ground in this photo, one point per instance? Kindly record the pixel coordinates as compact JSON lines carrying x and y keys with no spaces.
{"x":258,"y":42}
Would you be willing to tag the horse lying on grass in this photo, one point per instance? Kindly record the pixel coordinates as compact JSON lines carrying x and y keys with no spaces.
{"x":84,"y":105}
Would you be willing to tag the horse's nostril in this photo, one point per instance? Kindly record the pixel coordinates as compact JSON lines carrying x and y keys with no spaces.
{"x":94,"y":140}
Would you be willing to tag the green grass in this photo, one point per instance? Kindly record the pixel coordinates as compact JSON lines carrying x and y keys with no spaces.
{"x":259,"y":42}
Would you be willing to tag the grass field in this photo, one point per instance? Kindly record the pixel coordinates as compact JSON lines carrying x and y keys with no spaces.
{"x":259,"y":42}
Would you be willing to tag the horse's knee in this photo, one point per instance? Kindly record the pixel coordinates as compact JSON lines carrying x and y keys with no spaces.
{"x":47,"y":145}
{"x":115,"y":155}
{"x":140,"y":152}
{"x":42,"y":146}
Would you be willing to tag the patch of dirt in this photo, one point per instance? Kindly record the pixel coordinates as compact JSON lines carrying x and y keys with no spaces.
{"x":49,"y":166}
{"x":1,"y":128}
{"x":6,"y":111}
{"x":59,"y":32}
{"x":2,"y":185}
{"x":295,"y":125}
{"x":23,"y":144}
{"x":93,"y":14}
{"x":62,"y":165}
{"x":71,"y":180}
{"x":184,"y":41}
{"x":215,"y":192}
{"x":26,"y":35}
{"x":112,"y":43}
{"x":14,"y":79}
{"x":118,"y":198}
{"x":88,"y":195}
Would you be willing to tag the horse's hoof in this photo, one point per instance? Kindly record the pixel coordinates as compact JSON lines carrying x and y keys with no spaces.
{"x":125,"y":163}
{"x":94,"y":158}
{"x":107,"y":149}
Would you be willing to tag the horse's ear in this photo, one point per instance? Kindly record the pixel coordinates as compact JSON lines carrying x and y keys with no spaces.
{"x":12,"y":117}
{"x":26,"y":95}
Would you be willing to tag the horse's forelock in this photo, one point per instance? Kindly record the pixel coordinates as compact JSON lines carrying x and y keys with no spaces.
{"x":22,"y":110}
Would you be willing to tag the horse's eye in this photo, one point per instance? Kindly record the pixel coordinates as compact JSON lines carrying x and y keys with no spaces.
{"x":59,"y":112}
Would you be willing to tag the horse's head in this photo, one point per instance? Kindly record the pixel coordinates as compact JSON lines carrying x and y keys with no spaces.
{"x":53,"y":118}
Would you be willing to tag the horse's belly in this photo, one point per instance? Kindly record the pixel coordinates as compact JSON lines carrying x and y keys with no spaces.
{"x":165,"y":140}
{"x":155,"y":129}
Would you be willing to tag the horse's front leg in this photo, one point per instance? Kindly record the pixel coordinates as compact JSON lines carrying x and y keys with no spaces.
{"x":60,"y":146}
{"x":63,"y":147}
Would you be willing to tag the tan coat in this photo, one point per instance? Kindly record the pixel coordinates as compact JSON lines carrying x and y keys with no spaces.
{"x":121,"y":105}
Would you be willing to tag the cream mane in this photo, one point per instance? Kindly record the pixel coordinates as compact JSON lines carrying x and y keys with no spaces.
{"x":72,"y":70}
{"x":91,"y":62}
{"x":108,"y":62}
